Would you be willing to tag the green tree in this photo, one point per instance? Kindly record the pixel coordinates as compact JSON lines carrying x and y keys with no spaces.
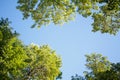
{"x":21,"y":62}
{"x":43,"y":63}
{"x":12,"y":60}
{"x":105,"y":13}
{"x":45,"y":11}
{"x":107,"y":19}
{"x":12,"y":53}
{"x":99,"y":71}
{"x":96,"y":63}
{"x":6,"y":33}
{"x":112,"y":74}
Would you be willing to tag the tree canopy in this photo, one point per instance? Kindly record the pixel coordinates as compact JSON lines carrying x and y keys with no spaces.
{"x":32,"y":62}
{"x":12,"y":53}
{"x":99,"y":68}
{"x":112,"y":74}
{"x":96,"y":63}
{"x":43,"y":63}
{"x":105,"y":13}
{"x":22,"y":62}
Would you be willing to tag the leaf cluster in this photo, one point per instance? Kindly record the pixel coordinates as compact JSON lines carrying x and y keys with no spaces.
{"x":21,"y":62}
{"x":105,"y":13}
{"x":99,"y":68}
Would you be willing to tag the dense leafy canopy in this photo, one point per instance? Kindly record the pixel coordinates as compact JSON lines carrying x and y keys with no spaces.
{"x":112,"y":74}
{"x":45,"y":11}
{"x":12,"y":53}
{"x":43,"y":63}
{"x":99,"y":69}
{"x":96,"y":63}
{"x":105,"y":13}
{"x":21,"y":62}
{"x":12,"y":59}
{"x":5,"y":32}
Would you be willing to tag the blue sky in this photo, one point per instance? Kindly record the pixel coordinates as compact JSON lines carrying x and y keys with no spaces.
{"x":71,"y":41}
